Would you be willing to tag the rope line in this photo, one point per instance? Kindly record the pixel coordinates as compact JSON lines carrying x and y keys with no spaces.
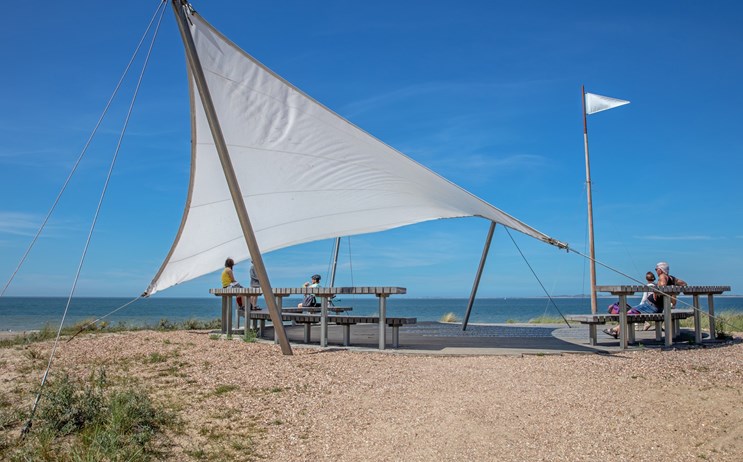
{"x":537,"y":278}
{"x":27,"y":427}
{"x":81,"y":155}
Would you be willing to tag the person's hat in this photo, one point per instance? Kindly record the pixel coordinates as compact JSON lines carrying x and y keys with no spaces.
{"x":315,"y":276}
{"x":663,"y":266}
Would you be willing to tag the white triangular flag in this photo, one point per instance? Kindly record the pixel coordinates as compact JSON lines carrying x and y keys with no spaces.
{"x":597,"y":103}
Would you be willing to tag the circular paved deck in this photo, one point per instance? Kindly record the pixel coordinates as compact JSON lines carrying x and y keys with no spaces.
{"x":478,"y":339}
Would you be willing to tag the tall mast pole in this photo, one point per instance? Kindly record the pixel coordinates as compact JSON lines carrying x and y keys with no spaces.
{"x":592,"y":251}
{"x":229,"y":174}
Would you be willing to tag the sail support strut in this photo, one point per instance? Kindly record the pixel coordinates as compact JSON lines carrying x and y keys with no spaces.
{"x":476,"y":284}
{"x":230,"y":176}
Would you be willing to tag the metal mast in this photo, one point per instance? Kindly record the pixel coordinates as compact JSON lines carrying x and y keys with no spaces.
{"x":179,"y":7}
{"x":592,"y":251}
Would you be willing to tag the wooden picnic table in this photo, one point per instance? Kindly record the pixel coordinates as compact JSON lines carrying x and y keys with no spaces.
{"x":622,"y":291}
{"x":382,"y":293}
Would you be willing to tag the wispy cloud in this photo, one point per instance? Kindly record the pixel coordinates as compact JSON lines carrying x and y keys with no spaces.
{"x":27,"y":224}
{"x":442,"y":89}
{"x":358,"y":107}
{"x":697,"y":237}
{"x":21,"y":224}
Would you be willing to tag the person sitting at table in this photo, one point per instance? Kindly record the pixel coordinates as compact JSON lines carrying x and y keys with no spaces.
{"x":309,"y":300}
{"x":645,"y":306}
{"x":229,"y":281}
{"x":665,"y":279}
{"x":254,"y":284}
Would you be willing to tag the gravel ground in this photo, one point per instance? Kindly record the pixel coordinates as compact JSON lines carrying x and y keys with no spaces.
{"x":245,"y":401}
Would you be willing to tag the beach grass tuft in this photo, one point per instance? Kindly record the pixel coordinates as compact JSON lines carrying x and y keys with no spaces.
{"x":449,"y":317}
{"x":726,"y":322}
{"x":546,"y":320}
{"x":90,"y":421}
{"x":87,"y":326}
{"x":223,"y":389}
{"x":250,"y":336}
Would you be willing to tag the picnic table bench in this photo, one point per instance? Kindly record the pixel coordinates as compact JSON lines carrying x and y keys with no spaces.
{"x":296,"y":309}
{"x":670,"y":318}
{"x":308,"y":320}
{"x":325,"y":293}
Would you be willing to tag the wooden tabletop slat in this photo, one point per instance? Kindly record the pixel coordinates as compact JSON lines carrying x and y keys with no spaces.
{"x":686,"y":290}
{"x":319,"y":291}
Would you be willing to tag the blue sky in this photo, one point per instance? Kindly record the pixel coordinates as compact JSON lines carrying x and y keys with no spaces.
{"x":485,"y":93}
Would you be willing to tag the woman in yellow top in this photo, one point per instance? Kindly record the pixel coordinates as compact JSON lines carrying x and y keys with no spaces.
{"x":228,"y":280}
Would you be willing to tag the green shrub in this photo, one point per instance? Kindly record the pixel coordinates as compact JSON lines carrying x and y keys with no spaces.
{"x":725,"y":323}
{"x":250,"y":335}
{"x":88,"y":421}
{"x":546,"y":320}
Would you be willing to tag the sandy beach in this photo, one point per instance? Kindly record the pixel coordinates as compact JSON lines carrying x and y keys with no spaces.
{"x":345,"y":405}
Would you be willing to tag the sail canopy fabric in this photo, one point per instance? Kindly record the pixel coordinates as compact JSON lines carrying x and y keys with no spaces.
{"x":305,"y":173}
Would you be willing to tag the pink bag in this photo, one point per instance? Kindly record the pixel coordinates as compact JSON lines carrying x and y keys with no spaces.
{"x":614,"y":309}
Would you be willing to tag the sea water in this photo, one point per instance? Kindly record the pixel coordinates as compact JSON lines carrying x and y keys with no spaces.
{"x":28,"y":313}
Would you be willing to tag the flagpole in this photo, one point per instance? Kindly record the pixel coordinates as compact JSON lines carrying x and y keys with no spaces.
{"x":592,"y":251}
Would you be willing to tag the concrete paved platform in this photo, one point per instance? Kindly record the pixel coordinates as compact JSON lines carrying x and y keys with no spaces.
{"x":478,"y":339}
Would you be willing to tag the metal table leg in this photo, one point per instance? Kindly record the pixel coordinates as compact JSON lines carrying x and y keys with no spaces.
{"x":324,"y":322}
{"x":711,"y":307}
{"x":668,"y":323}
{"x":623,"y":322}
{"x":382,"y":321}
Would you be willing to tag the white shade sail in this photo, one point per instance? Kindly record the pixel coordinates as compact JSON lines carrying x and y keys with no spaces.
{"x":305,"y":172}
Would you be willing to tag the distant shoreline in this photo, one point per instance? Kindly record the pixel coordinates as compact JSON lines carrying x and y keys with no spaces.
{"x":534,"y":297}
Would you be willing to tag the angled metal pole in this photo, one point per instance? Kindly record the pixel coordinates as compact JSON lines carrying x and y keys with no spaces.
{"x":335,"y":261}
{"x":592,"y":251}
{"x":476,"y":284}
{"x":229,"y":173}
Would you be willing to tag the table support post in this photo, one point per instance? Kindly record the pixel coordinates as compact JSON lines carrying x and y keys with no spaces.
{"x":667,"y":322}
{"x":592,"y":334}
{"x":229,"y":318}
{"x":697,"y":320}
{"x":382,"y":321}
{"x":224,"y":314}
{"x":324,"y":322}
{"x":280,"y":303}
{"x":711,"y":308}
{"x":623,"y":321}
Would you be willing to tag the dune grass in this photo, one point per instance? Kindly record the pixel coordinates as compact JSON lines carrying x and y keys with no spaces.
{"x":88,"y":420}
{"x":449,"y":317}
{"x":546,"y":320}
{"x":726,"y":322}
{"x":86,"y":326}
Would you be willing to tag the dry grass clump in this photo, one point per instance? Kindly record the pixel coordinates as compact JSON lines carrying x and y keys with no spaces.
{"x":449,"y":317}
{"x":86,"y":420}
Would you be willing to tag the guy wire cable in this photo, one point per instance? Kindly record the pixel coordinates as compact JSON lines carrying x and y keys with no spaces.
{"x":27,"y":427}
{"x":82,"y":153}
{"x":537,"y":277}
